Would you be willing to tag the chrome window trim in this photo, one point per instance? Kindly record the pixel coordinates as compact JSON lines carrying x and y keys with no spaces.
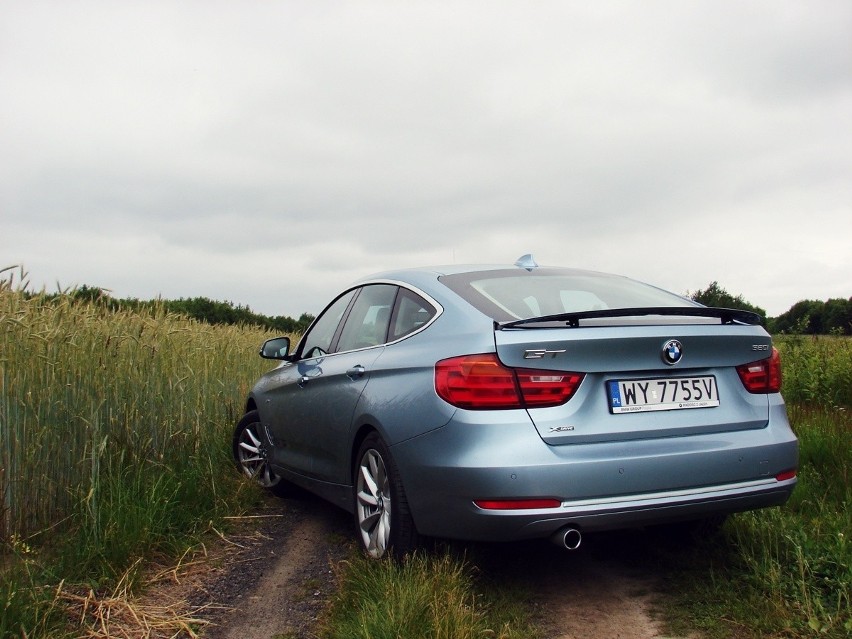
{"x":435,"y":303}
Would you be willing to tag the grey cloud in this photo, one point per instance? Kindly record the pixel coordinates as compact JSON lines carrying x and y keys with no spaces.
{"x":319,"y":141}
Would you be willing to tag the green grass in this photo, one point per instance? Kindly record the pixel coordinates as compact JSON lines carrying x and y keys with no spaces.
{"x":424,"y":597}
{"x":115,"y":433}
{"x":779,"y":572}
{"x":817,"y":369}
{"x":114,"y":449}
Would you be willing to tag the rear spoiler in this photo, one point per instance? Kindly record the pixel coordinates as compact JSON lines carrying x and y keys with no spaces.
{"x":572,"y":320}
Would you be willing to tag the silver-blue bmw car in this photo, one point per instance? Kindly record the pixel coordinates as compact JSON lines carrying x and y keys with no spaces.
{"x":516,"y":402}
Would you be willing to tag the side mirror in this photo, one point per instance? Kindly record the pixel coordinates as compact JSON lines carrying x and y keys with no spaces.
{"x":275,"y":348}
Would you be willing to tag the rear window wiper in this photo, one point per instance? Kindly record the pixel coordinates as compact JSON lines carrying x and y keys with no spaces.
{"x":572,"y":320}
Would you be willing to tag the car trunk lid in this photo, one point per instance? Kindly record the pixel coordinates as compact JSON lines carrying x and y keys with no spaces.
{"x":628,"y":357}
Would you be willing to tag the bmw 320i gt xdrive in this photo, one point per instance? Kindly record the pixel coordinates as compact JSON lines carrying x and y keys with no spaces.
{"x":514,"y":402}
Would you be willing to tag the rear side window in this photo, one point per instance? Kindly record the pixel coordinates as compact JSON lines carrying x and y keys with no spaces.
{"x":412,"y":313}
{"x":506,"y":295}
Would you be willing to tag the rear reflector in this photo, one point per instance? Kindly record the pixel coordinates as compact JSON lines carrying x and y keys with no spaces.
{"x":763,"y":376}
{"x":481,"y":382}
{"x":517,"y":504}
{"x":787,"y":474}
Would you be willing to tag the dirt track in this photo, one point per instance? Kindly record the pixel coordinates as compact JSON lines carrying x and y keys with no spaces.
{"x":274,"y":579}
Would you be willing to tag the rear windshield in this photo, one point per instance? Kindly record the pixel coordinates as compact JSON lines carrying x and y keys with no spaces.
{"x":513,"y":294}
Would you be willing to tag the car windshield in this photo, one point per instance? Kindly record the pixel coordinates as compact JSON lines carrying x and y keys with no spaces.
{"x":513,"y":294}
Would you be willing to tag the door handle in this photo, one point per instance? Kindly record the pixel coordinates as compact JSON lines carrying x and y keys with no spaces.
{"x":355,"y":372}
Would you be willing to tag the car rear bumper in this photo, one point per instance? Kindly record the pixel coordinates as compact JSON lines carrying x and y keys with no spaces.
{"x":600,"y":486}
{"x":638,"y":510}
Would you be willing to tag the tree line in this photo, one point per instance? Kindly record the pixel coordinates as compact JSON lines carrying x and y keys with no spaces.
{"x":202,"y":309}
{"x":808,"y":317}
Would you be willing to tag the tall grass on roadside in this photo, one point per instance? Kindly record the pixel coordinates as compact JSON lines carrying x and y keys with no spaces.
{"x":114,"y":433}
{"x":802,"y":552}
{"x":28,"y":605}
{"x":779,"y":572}
{"x":787,"y":571}
{"x":422,"y":597}
{"x":817,"y":369}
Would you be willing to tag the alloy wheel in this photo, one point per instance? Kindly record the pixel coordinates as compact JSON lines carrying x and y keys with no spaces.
{"x":252,"y":457}
{"x":373,"y":503}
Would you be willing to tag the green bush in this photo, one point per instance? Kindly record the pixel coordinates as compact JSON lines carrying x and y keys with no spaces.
{"x":817,"y":369}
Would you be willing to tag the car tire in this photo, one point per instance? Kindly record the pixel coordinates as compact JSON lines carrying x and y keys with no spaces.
{"x":382,"y":518}
{"x":251,"y":454}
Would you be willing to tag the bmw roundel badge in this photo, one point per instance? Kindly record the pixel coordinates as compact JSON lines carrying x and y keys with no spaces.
{"x":672,"y":352}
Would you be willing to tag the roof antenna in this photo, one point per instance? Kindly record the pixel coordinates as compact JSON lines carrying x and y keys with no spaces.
{"x":527,"y":262}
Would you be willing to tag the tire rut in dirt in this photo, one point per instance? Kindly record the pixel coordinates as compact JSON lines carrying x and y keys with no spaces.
{"x":281,"y":579}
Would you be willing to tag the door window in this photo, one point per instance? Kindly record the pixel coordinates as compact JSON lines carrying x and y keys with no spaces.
{"x":317,"y":342}
{"x":367,"y":323}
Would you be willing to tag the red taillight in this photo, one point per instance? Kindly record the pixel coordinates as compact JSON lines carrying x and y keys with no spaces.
{"x":476,"y":381}
{"x":763,"y":376}
{"x":516,"y":504}
{"x":787,"y":474}
{"x":547,"y":388}
{"x":482,"y":382}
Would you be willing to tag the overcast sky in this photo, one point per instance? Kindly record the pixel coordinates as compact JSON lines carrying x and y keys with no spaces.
{"x":269,"y":153}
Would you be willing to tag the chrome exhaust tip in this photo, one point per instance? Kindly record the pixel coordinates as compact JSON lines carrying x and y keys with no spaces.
{"x":569,"y":538}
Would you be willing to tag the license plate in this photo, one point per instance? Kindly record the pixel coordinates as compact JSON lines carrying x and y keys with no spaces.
{"x":643,"y":395}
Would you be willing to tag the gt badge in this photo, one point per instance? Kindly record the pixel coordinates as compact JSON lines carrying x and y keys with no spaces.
{"x":541,"y":353}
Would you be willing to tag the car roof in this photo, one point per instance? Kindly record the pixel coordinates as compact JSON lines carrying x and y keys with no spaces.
{"x":455,"y":269}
